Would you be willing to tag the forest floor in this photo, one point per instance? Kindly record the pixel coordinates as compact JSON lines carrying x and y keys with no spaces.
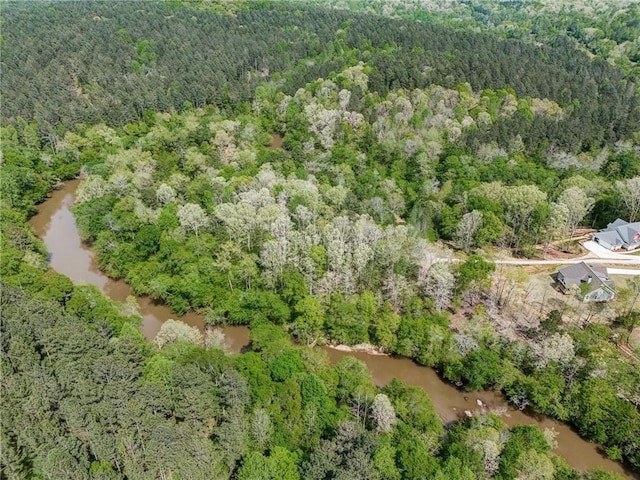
{"x":532,"y":287}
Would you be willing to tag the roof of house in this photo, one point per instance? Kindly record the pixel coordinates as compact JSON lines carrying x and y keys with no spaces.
{"x":610,"y":236}
{"x":618,"y":222}
{"x":581,"y":272}
{"x":628,"y":232}
{"x":620,"y":233}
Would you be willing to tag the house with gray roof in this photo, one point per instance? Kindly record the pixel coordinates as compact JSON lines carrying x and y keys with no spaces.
{"x":619,"y":234}
{"x":590,"y":282}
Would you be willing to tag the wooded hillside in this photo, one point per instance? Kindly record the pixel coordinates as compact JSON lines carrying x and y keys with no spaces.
{"x":106,"y":61}
{"x":309,"y":172}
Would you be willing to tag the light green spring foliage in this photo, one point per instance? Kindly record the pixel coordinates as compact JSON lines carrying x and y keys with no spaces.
{"x":327,"y":237}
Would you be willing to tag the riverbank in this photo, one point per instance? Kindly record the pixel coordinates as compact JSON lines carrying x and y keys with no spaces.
{"x":359,"y":348}
{"x":55,"y":225}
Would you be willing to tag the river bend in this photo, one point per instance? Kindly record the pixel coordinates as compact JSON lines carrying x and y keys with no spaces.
{"x":67,"y":254}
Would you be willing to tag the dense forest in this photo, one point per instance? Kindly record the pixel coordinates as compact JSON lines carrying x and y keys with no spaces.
{"x":112,"y":62}
{"x":607,"y":30}
{"x":402,"y":143}
{"x":82,"y":401}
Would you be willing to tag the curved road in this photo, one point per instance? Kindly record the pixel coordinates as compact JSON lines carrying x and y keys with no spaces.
{"x":597,"y":254}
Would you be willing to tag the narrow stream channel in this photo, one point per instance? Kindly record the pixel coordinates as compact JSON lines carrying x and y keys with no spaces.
{"x":55,"y":225}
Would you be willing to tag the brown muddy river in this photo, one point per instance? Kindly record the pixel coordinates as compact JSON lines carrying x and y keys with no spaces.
{"x":55,"y":225}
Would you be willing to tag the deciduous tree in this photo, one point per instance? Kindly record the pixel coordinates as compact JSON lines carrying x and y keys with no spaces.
{"x":383,"y":413}
{"x":177,"y":331}
{"x":576,"y":205}
{"x":192,"y":217}
{"x":467,"y":228}
{"x":629,"y":191}
{"x":439,"y":285}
